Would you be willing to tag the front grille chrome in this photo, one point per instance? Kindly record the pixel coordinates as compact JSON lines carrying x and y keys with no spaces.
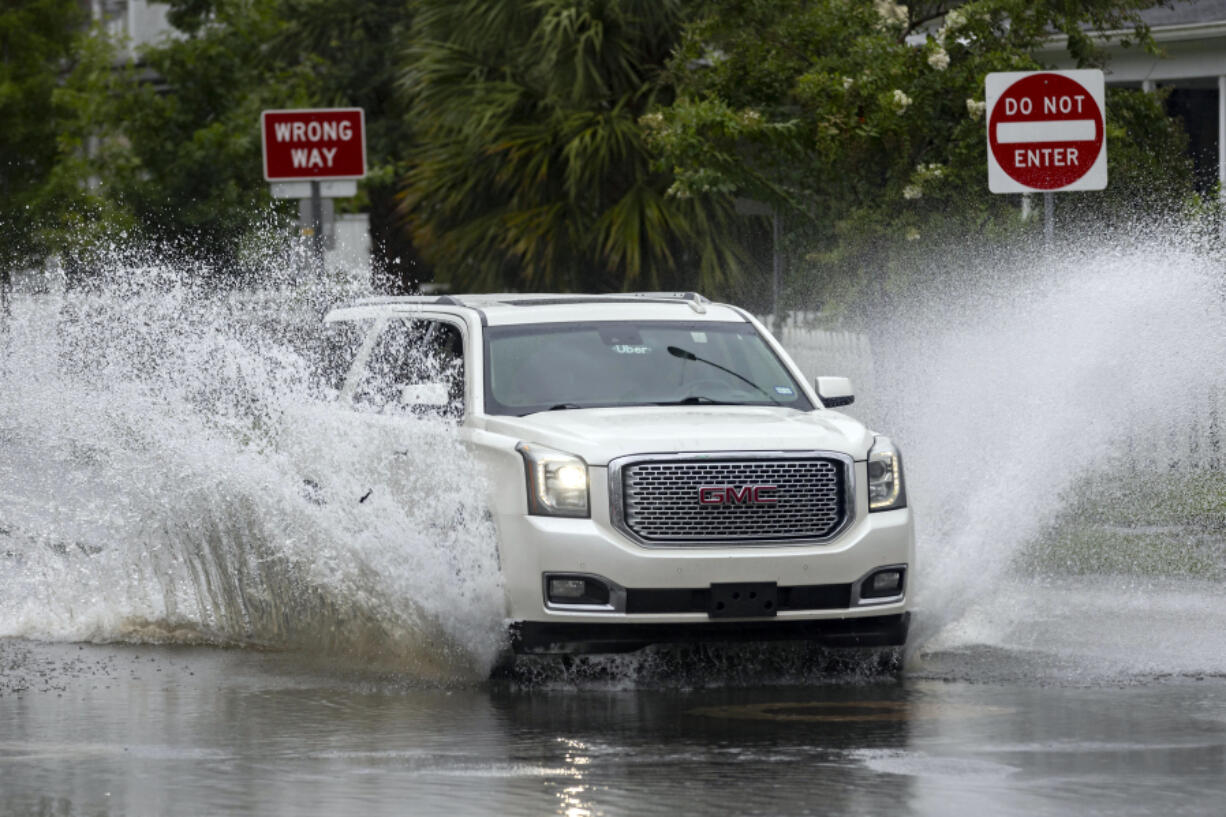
{"x":702,"y":499}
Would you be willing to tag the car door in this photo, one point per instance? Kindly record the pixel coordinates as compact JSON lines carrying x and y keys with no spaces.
{"x":373,"y":441}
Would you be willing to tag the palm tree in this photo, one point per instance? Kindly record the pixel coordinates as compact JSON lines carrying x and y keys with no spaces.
{"x":531,"y":170}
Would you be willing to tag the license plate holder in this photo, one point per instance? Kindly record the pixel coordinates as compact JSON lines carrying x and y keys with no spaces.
{"x":744,"y":600}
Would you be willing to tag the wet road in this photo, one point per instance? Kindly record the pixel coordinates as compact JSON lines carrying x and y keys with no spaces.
{"x":121,"y":730}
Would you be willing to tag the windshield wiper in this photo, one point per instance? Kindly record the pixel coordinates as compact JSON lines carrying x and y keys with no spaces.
{"x":558,"y":407}
{"x":685,"y":354}
{"x":698,"y":399}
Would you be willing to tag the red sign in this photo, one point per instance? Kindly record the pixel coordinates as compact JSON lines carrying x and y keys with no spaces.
{"x":1046,"y":132}
{"x":318,"y":143}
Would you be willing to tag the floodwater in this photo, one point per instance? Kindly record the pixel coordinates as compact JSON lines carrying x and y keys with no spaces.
{"x":128,"y":730}
{"x":212,"y":600}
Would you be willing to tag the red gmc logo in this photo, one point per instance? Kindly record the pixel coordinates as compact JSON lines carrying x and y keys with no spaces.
{"x":730,"y":495}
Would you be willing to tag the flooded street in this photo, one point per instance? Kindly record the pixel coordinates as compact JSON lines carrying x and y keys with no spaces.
{"x":212,"y":600}
{"x":110,"y":730}
{"x":613,"y":409}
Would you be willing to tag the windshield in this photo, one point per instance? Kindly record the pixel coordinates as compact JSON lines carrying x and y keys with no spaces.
{"x":539,"y":367}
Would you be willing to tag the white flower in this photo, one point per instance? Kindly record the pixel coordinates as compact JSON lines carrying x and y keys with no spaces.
{"x":939,"y":59}
{"x":901,"y":101}
{"x":891,"y":13}
{"x":975,"y":109}
{"x":912,"y":192}
{"x":954,"y":19}
{"x":913,"y":234}
{"x":847,"y":83}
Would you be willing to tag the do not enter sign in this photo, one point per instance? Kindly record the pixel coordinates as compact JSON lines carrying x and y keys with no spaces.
{"x":1046,"y":131}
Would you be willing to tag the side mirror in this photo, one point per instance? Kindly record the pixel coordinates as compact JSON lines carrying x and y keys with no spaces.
{"x":434,"y":395}
{"x":835,"y":391}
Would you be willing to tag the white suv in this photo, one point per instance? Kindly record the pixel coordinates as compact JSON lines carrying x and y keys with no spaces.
{"x":660,"y":471}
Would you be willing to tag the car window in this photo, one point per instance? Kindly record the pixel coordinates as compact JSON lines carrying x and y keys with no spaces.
{"x":541,"y":366}
{"x":335,"y":350}
{"x":413,"y":352}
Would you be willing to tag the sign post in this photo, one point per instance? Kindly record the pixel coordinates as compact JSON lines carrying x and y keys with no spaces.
{"x":306,"y":153}
{"x":317,"y":224}
{"x":1046,"y":134}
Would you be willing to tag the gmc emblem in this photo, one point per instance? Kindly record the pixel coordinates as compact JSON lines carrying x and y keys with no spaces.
{"x":730,"y":495}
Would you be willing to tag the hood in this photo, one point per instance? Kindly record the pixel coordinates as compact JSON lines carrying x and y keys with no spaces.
{"x":601,"y":434}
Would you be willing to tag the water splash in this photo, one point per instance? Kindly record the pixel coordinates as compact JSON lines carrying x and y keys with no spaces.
{"x":174,"y":471}
{"x":1053,"y":390}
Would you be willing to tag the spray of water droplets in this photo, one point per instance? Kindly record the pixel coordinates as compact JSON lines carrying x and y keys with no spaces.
{"x":175,"y":470}
{"x":1058,"y":414}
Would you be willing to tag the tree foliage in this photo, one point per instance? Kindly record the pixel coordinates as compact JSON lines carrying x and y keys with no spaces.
{"x":863,"y":122}
{"x":36,"y":40}
{"x":193,"y":130}
{"x":531,"y":170}
{"x":164,"y":146}
{"x":568,"y":144}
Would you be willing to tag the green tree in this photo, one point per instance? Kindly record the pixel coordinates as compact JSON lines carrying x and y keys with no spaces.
{"x":193,"y":128}
{"x":73,"y":205}
{"x":165,"y":147}
{"x":36,"y":42}
{"x":530,"y":169}
{"x":863,"y":123}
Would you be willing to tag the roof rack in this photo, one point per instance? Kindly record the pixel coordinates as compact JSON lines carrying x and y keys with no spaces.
{"x":673,"y":296}
{"x":696,"y":301}
{"x":445,"y":300}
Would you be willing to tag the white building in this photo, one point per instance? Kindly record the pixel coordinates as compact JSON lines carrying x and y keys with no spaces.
{"x":138,"y":22}
{"x":1192,"y":36}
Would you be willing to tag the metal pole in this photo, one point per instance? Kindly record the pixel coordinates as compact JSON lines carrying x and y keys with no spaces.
{"x":776,"y":266}
{"x":6,"y":287}
{"x":317,"y":227}
{"x":1049,"y":218}
{"x":1221,"y":142}
{"x":6,"y":317}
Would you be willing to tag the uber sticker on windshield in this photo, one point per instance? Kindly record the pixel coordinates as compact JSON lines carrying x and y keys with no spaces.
{"x":786,"y":391}
{"x":628,"y":349}
{"x":699,"y":337}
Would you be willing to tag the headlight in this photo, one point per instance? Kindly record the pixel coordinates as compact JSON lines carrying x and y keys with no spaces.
{"x":557,"y":482}
{"x":885,"y":484}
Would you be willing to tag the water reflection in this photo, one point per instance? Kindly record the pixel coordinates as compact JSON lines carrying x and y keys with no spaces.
{"x":660,"y":752}
{"x":110,"y":731}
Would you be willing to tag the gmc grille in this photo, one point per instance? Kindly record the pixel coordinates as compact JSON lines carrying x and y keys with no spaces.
{"x":662,"y":499}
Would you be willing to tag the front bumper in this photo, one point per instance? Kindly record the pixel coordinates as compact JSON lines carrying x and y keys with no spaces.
{"x":550,"y":637}
{"x":533,"y":546}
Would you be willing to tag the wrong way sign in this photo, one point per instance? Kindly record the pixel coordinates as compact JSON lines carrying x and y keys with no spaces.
{"x":314,"y":144}
{"x":1046,"y":131}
